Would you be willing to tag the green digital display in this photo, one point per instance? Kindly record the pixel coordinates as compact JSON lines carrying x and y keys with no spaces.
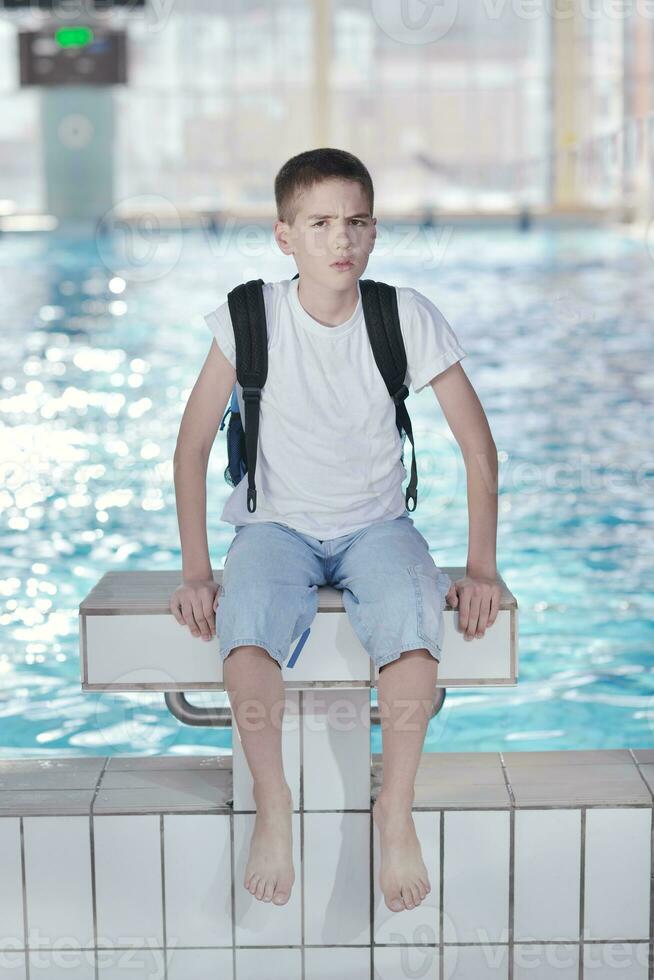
{"x":73,"y":37}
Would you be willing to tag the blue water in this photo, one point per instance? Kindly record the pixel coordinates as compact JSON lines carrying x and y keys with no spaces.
{"x":101,"y":342}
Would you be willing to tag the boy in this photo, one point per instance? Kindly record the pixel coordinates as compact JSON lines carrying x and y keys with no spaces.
{"x":331,"y":510}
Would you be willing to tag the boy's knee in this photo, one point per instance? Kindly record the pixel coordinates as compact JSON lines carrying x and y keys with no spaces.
{"x":251,"y":651}
{"x":420,"y":653}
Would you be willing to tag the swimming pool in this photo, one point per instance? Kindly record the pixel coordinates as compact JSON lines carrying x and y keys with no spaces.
{"x":101,"y":342}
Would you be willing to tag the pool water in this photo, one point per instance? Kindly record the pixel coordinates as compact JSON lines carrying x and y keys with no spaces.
{"x":102,"y":339}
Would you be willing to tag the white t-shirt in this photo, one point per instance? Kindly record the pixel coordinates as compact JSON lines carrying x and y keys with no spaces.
{"x":328,"y":456}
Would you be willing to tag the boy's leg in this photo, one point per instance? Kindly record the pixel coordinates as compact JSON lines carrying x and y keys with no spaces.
{"x":405,"y":691}
{"x":253,"y":681}
{"x":268,"y":597}
{"x":394,"y":595}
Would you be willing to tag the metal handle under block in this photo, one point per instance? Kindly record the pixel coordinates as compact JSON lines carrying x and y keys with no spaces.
{"x":190,"y":714}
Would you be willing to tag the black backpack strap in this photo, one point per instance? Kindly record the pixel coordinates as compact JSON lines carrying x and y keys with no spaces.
{"x":248,"y":312}
{"x":383,"y":325}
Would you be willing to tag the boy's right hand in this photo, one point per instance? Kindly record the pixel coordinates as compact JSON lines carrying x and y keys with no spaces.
{"x":193,"y":604}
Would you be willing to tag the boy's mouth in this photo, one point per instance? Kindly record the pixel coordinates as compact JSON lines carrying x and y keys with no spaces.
{"x":342,"y":266}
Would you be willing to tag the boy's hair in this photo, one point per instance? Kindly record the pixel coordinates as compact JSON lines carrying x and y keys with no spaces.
{"x":306,"y":169}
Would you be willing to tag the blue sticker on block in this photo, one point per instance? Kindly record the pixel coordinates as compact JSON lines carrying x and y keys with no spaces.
{"x":298,"y":649}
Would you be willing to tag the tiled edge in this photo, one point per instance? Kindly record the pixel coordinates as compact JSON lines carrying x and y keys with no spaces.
{"x":126,"y":763}
{"x":300,"y":720}
{"x":153,"y":796}
{"x":165,"y":785}
{"x":509,"y":790}
{"x":94,"y":903}
{"x":50,"y":786}
{"x":645,"y":757}
{"x":371,"y":885}
{"x":232,"y":871}
{"x":23,"y":875}
{"x":582,"y":778}
{"x":441,"y":895}
{"x":644,"y":761}
{"x":582,"y":890}
{"x":163,"y":888}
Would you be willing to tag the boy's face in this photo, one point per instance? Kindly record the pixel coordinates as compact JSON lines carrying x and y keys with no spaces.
{"x":333,"y":222}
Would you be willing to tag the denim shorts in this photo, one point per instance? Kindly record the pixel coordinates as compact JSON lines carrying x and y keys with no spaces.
{"x":393,"y":592}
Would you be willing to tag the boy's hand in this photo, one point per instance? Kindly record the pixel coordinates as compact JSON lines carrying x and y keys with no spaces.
{"x":477,"y":598}
{"x":193,"y":604}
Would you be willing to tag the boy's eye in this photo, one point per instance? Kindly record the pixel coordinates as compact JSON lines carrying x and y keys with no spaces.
{"x":315,"y":225}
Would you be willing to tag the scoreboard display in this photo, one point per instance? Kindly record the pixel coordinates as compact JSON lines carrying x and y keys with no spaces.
{"x":74,"y":54}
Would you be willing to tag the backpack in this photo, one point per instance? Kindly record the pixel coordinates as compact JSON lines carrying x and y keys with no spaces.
{"x":248,"y":315}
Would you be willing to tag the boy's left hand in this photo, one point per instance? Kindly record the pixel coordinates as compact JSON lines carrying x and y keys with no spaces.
{"x":477,"y":597}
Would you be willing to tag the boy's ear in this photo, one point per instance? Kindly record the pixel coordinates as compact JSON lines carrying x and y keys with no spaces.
{"x":281,"y":232}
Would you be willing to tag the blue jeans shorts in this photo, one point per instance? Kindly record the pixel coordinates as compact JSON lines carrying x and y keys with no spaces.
{"x":393,"y":592}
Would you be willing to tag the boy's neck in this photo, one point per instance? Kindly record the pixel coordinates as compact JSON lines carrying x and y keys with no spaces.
{"x":329,"y":307}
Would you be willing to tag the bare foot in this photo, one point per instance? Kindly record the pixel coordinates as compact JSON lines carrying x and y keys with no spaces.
{"x":269,"y":873}
{"x":403,"y":876}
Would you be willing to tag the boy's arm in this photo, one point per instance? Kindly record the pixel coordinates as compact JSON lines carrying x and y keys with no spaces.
{"x":199,"y":425}
{"x":478,"y":593}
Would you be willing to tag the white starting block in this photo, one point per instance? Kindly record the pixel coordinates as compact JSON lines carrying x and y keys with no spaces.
{"x":130,"y":641}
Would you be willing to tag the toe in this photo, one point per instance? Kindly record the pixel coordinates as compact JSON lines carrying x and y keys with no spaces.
{"x":268,"y":890}
{"x":395,"y":903}
{"x":407,"y":897}
{"x":260,"y":888}
{"x":415,"y":891}
{"x":252,"y":883}
{"x":282,"y":893}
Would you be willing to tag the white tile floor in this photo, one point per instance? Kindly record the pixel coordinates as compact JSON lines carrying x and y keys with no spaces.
{"x":149,"y":887}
